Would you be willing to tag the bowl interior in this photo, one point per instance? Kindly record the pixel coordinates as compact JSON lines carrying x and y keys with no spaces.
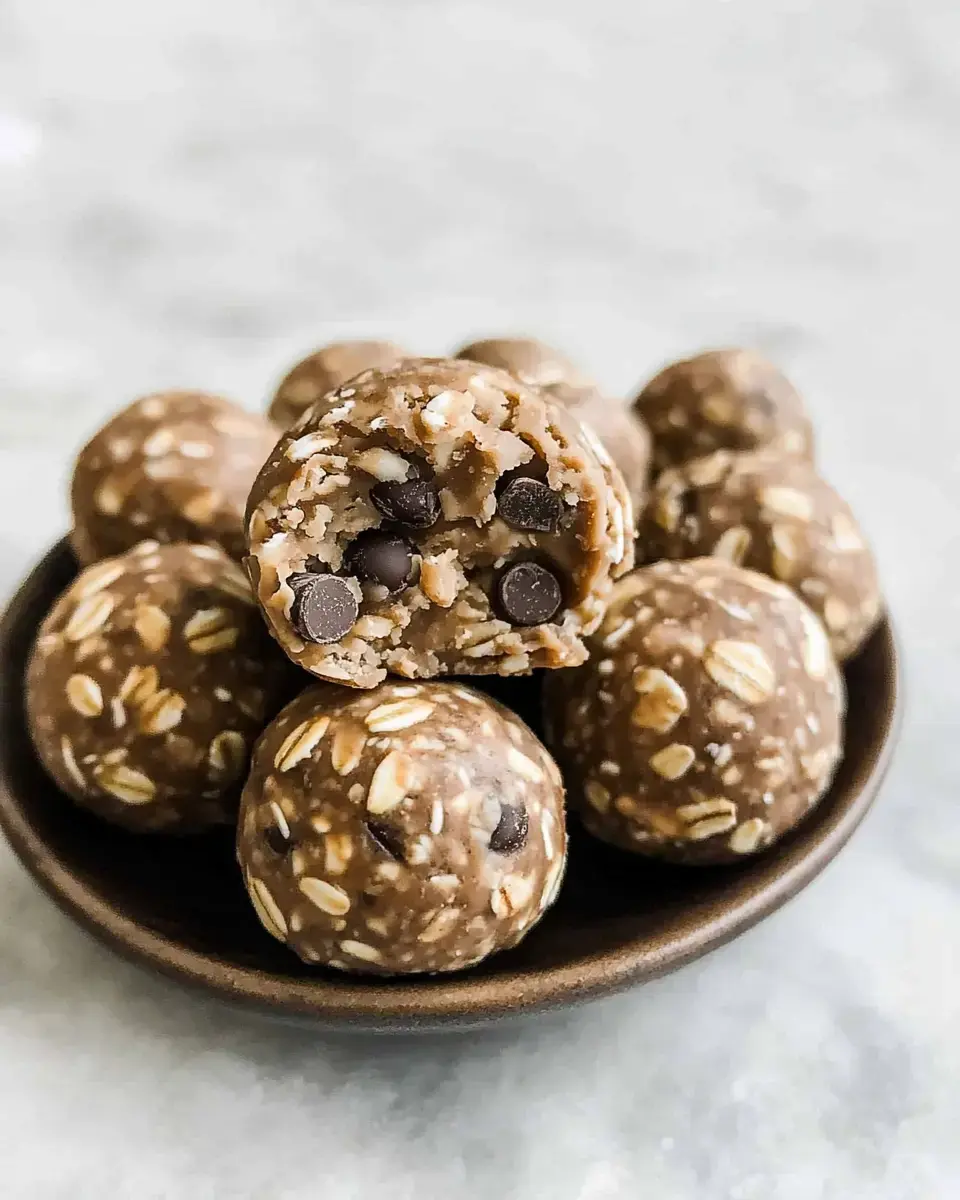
{"x":180,"y":906}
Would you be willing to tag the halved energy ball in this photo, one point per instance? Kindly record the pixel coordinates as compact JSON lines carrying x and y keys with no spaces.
{"x":620,"y":430}
{"x":175,"y":467}
{"x":707,"y":722}
{"x":775,"y":514}
{"x":147,"y":685}
{"x":439,"y":518}
{"x":412,"y":828}
{"x":324,"y":370}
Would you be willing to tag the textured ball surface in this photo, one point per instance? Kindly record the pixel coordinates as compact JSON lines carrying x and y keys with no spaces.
{"x":412,"y":828}
{"x":708,"y":720}
{"x":147,"y":685}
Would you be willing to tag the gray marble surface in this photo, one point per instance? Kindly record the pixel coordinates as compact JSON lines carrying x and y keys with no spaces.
{"x":194,"y":193}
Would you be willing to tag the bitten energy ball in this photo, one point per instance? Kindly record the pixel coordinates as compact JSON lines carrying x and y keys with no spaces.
{"x":417,"y":827}
{"x":441,"y":517}
{"x":708,"y":720}
{"x":775,"y":515}
{"x":148,"y":683}
{"x":325,"y":370}
{"x":622,"y":433}
{"x":722,"y":400}
{"x":176,"y":467}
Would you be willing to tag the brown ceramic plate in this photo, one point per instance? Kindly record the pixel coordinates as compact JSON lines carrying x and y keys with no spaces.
{"x":179,"y":906}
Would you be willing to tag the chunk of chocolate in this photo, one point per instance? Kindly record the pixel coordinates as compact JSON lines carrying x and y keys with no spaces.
{"x":415,"y":503}
{"x":386,"y":838}
{"x":530,"y":504}
{"x":324,"y":608}
{"x":511,"y":832}
{"x":528,"y":594}
{"x":277,"y":839}
{"x":377,"y":556}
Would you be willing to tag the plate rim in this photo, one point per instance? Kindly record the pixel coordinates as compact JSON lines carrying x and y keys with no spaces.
{"x":448,"y":1000}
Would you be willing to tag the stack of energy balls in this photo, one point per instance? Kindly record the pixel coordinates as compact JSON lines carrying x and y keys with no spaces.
{"x":398,"y":525}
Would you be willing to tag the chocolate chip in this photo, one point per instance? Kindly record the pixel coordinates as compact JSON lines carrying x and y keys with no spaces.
{"x":276,"y":839}
{"x":511,"y":831}
{"x":387,"y":838}
{"x":324,"y":608}
{"x":528,"y":594}
{"x":381,"y":557}
{"x":415,"y":503}
{"x":529,"y":504}
{"x":301,"y":578}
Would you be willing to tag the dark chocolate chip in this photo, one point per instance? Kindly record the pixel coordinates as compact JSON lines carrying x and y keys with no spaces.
{"x":528,"y":594}
{"x":511,"y":831}
{"x":276,"y":839}
{"x":301,"y":578}
{"x":415,"y":503}
{"x":324,"y":608}
{"x":387,"y":838}
{"x":529,"y":504}
{"x":378,"y":556}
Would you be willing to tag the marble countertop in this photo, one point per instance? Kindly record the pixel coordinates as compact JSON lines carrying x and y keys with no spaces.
{"x":197,"y":193}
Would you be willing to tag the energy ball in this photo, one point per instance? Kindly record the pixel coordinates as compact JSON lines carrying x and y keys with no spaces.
{"x":528,"y":359}
{"x":174,"y":467}
{"x":417,"y":827}
{"x":622,"y":433}
{"x":775,"y":515}
{"x":325,"y":370}
{"x":438,"y":518}
{"x":708,"y":720}
{"x":722,"y":400}
{"x":148,"y":683}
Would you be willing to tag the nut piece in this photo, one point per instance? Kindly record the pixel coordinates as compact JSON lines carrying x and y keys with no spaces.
{"x":438,"y":578}
{"x":736,"y":726}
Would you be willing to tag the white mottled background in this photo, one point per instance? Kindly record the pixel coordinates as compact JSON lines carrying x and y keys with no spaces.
{"x":195,"y":192}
